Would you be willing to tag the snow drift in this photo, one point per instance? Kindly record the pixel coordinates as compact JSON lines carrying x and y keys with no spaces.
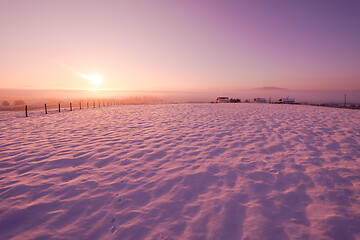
{"x":187,"y":171}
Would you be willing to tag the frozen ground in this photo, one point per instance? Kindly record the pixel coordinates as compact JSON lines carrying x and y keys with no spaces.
{"x":200,"y":171}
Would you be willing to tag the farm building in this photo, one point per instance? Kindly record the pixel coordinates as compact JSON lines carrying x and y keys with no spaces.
{"x":222,"y":100}
{"x":286,"y":100}
{"x":260,"y":100}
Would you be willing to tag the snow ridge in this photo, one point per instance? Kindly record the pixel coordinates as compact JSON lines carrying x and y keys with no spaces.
{"x":186,"y":171}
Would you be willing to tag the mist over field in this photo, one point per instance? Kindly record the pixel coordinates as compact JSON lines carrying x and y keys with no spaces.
{"x":200,"y":95}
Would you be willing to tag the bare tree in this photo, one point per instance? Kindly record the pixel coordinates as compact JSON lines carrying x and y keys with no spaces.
{"x":5,"y":103}
{"x":19,"y":102}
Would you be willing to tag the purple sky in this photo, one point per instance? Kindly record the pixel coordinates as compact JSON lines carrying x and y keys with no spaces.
{"x":180,"y":45}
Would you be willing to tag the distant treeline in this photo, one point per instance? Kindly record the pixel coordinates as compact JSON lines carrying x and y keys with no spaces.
{"x":18,"y":105}
{"x":15,"y":103}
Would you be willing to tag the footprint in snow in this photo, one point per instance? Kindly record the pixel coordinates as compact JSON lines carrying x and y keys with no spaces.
{"x":112,"y":230}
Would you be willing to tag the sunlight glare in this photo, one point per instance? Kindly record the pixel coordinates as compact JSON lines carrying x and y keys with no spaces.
{"x":95,"y":79}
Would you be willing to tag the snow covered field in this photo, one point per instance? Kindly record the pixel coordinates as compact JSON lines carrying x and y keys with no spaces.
{"x":187,"y":171}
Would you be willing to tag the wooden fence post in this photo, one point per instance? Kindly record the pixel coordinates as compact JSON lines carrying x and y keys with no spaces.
{"x":45,"y":109}
{"x":87,"y":104}
{"x":59,"y":107}
{"x":94,"y":104}
{"x":26,"y":115}
{"x":70,"y":107}
{"x":80,"y":105}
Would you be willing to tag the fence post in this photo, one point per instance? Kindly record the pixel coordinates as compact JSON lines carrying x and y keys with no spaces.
{"x":26,"y":115}
{"x":87,"y":104}
{"x":80,"y":105}
{"x":59,"y":107}
{"x":45,"y":109}
{"x":94,"y":104}
{"x":70,"y":107}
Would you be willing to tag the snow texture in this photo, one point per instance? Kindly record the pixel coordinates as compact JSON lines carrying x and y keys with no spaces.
{"x":187,"y":171}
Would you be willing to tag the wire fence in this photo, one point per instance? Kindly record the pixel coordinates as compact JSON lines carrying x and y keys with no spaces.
{"x":60,"y":107}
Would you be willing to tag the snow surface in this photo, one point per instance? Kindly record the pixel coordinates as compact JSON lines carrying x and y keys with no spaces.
{"x":187,"y":171}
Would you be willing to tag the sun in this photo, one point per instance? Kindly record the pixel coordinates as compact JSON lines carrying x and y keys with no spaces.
{"x":95,"y":79}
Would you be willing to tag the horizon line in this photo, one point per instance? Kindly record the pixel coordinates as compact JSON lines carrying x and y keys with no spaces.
{"x":266,"y":88}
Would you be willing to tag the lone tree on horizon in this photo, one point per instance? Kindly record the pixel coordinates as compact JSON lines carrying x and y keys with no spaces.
{"x":19,"y":102}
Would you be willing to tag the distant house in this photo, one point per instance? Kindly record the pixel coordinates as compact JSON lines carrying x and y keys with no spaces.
{"x":222,"y":100}
{"x":260,"y":100}
{"x":286,"y":100}
{"x":235,"y":100}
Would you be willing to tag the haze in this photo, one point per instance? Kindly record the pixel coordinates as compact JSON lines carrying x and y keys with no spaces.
{"x":180,"y":46}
